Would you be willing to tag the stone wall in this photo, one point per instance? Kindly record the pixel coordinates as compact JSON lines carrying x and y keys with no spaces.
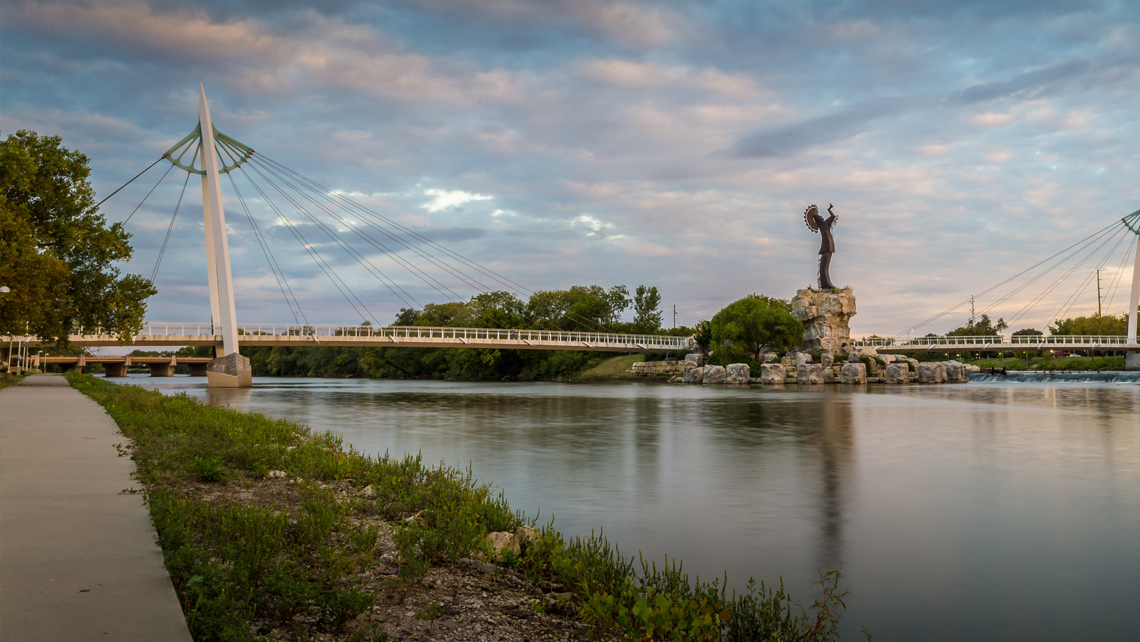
{"x":658,"y":368}
{"x":826,"y":316}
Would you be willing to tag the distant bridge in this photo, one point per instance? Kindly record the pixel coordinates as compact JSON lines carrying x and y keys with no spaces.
{"x":998,"y":343}
{"x":116,"y":366}
{"x":251,"y":335}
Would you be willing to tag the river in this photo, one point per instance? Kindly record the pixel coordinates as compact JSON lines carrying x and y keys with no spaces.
{"x":985,"y":511}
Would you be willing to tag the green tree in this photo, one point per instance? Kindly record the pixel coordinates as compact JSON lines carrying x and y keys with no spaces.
{"x":1028,"y":332}
{"x":56,"y":250}
{"x":1097,"y":324}
{"x":745,"y":329}
{"x":982,"y":328}
{"x":646,"y":310}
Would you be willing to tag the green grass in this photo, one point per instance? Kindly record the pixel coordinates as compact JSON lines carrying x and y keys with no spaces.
{"x":4,"y":382}
{"x":298,"y":561}
{"x":1053,"y":363}
{"x":613,"y":369}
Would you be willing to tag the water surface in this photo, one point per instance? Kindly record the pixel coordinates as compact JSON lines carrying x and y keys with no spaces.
{"x":985,"y":511}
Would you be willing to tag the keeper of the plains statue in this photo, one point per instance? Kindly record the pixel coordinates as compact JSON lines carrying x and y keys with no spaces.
{"x":816,"y":223}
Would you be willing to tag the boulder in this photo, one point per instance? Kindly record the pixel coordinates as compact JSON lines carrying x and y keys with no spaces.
{"x":826,"y":360}
{"x":773,"y":373}
{"x":809,"y":373}
{"x":853,"y":357}
{"x":896,"y":374}
{"x":501,"y":543}
{"x":802,"y":358}
{"x":713,"y":374}
{"x":972,"y":369}
{"x":853,"y":373}
{"x":696,"y":358}
{"x":931,"y":372}
{"x":693,"y":375}
{"x":829,"y":375}
{"x":738,"y":373}
{"x":956,"y":373}
{"x":788,"y":361}
{"x":771,"y":357}
{"x":826,"y":316}
{"x":526,"y":534}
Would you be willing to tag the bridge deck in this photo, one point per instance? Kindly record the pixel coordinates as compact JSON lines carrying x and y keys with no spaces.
{"x":189,"y":334}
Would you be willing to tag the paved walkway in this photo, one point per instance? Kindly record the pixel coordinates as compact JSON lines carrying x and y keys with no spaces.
{"x":77,"y":556}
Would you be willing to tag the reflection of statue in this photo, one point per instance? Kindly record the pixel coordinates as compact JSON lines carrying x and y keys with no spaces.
{"x":817,"y":223}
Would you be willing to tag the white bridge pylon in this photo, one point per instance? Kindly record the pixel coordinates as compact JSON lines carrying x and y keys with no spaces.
{"x":222,"y":309}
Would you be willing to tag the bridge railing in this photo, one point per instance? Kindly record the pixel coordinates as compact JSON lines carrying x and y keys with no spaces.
{"x":876,"y":342}
{"x":1069,"y":339}
{"x":1021,"y":339}
{"x":163,"y":329}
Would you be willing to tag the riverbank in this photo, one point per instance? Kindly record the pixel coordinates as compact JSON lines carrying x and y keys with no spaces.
{"x":270,"y":529}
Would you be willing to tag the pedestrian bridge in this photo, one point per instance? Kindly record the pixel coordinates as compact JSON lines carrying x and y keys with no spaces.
{"x":998,"y":343}
{"x":251,"y":335}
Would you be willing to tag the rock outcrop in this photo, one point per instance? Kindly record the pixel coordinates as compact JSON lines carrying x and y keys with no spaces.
{"x":713,"y":374}
{"x":693,"y":375}
{"x":773,"y":374}
{"x":738,"y":373}
{"x":896,"y":374}
{"x":853,"y":373}
{"x":810,"y":373}
{"x":826,"y":316}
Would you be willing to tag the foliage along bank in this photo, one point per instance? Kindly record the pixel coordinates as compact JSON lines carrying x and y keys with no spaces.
{"x":57,"y":253}
{"x":579,"y":308}
{"x":268,"y":526}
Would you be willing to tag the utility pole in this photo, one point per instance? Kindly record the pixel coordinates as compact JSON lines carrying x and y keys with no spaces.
{"x":674,"y":316}
{"x":971,"y":310}
{"x":1098,"y":293}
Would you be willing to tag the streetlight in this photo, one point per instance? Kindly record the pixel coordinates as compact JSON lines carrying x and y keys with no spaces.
{"x":8,"y":366}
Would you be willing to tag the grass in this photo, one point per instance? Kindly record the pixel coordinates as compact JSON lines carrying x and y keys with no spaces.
{"x":1053,"y":363}
{"x":613,"y":369}
{"x":296,"y":558}
{"x":5,"y":382}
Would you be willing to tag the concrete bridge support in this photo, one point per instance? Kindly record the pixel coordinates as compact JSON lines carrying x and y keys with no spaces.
{"x":162,"y":369}
{"x":198,"y":369}
{"x":115,"y":368}
{"x":1132,"y":362}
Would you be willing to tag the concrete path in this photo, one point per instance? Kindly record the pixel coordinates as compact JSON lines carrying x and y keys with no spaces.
{"x":77,"y":555}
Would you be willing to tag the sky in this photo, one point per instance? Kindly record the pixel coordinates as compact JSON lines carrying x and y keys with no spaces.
{"x":673,"y":144}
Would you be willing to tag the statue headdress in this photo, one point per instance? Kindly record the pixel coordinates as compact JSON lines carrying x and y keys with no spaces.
{"x":809,"y":217}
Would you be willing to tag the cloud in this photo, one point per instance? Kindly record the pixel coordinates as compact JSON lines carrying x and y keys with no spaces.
{"x":443,"y":199}
{"x":792,"y":138}
{"x":1023,"y":86}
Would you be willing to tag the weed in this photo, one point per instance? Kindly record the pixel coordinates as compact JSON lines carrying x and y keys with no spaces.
{"x":432,"y":611}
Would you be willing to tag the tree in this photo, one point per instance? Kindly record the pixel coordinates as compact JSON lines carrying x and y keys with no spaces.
{"x":745,"y":329}
{"x":592,"y":309}
{"x":56,"y":250}
{"x":983,"y":328}
{"x":1028,"y":332}
{"x":1097,"y":324}
{"x":646,"y":310}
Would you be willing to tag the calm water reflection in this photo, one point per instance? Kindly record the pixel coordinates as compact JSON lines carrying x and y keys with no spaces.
{"x":983,"y":511}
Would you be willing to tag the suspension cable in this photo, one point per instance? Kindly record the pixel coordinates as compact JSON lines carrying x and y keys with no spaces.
{"x":169,"y":229}
{"x":129,"y":182}
{"x":282,"y":282}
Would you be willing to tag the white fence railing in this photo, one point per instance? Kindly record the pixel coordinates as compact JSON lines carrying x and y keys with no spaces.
{"x":1092,"y":341}
{"x":187,"y":330}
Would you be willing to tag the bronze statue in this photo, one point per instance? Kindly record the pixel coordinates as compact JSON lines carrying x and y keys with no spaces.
{"x":817,"y":223}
